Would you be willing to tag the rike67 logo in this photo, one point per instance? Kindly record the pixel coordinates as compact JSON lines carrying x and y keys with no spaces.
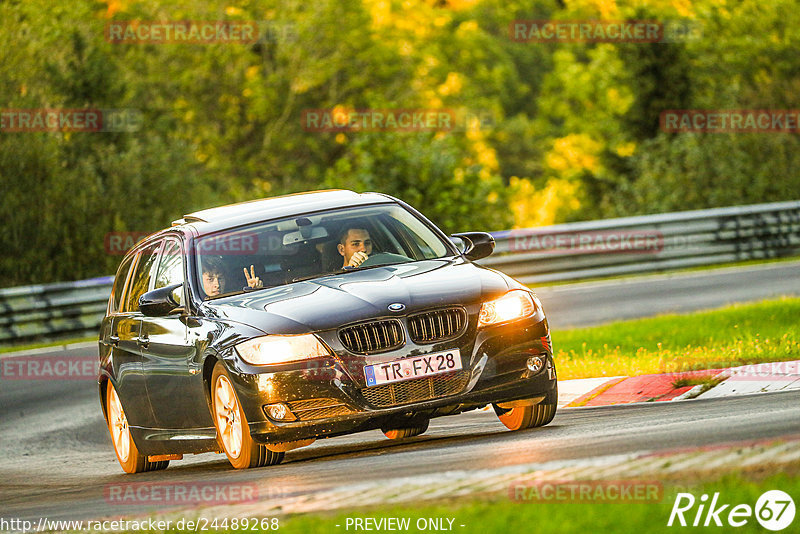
{"x":774,"y":510}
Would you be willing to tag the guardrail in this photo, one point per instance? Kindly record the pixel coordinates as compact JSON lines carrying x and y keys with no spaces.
{"x":68,"y":309}
{"x":648,"y":243}
{"x":561,"y":252}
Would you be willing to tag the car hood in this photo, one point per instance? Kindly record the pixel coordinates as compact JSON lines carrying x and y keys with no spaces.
{"x":329,"y":302}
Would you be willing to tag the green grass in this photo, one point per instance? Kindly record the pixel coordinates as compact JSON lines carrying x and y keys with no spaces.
{"x":767,"y":331}
{"x":44,"y":344}
{"x":499,"y":514}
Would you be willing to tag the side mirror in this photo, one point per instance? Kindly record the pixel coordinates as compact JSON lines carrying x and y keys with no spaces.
{"x":477,"y":245}
{"x":160,"y":302}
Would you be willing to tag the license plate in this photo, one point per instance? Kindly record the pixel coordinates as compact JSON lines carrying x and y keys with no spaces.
{"x":416,"y":367}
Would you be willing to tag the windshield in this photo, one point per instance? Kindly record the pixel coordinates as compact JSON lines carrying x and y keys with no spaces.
{"x":280,"y":252}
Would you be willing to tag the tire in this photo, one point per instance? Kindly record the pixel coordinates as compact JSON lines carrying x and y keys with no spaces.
{"x":233,"y":432}
{"x":406,"y":431}
{"x":128,"y":455}
{"x":522,"y":417}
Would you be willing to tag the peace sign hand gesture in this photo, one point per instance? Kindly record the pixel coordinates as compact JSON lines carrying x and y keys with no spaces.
{"x":252,"y":280}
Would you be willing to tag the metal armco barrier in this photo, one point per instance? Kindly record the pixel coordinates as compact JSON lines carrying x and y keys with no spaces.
{"x":571,"y":251}
{"x":68,"y":309}
{"x":648,"y":243}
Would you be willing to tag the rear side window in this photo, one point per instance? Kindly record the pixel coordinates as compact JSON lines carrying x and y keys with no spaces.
{"x":170,"y":267}
{"x":119,"y":285}
{"x":140,"y":280}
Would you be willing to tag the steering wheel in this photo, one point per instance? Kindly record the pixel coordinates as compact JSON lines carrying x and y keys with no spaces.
{"x":384,"y":258}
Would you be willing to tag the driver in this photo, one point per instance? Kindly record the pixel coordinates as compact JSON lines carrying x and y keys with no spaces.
{"x":355,"y":246}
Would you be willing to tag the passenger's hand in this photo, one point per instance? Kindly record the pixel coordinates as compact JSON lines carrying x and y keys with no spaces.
{"x":252,"y":280}
{"x":357,"y":259}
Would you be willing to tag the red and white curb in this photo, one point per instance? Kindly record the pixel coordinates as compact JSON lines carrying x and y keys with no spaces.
{"x":742,"y":380}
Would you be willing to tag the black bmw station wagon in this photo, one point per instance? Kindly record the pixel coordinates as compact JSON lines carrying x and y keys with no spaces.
{"x":256,"y":328}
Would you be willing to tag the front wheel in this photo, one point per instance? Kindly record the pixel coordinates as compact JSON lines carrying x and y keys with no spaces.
{"x":522,"y":417}
{"x":131,"y":460}
{"x":232,"y":429}
{"x":531,"y":416}
{"x":406,"y":431}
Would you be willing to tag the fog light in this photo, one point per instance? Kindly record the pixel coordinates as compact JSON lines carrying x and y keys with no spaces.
{"x":534,"y":364}
{"x":279,"y":412}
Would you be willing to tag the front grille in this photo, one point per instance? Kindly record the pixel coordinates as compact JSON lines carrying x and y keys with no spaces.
{"x":310,"y":409}
{"x":438,"y":325}
{"x":372,"y":338}
{"x":417,"y":390}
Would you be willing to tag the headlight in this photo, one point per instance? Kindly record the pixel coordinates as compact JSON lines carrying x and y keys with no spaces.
{"x":513,"y":305}
{"x":267,"y":350}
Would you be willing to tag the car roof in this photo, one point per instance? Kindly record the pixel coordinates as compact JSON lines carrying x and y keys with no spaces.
{"x":242,"y":213}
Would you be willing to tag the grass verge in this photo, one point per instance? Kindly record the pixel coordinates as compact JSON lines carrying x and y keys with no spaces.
{"x":741,"y":334}
{"x":45,"y":344}
{"x":502,"y":515}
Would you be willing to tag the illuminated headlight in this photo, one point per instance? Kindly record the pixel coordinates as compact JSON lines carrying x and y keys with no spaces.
{"x":513,"y":305}
{"x":268,"y":350}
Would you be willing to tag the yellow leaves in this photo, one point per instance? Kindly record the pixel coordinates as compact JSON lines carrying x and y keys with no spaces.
{"x":252,"y":72}
{"x":452,"y":85}
{"x":300,"y":84}
{"x":247,"y":92}
{"x":533,"y":207}
{"x":405,"y":48}
{"x":626,"y":150}
{"x":381,"y":12}
{"x":340,"y":114}
{"x":453,"y":5}
{"x":232,"y":11}
{"x":341,"y":138}
{"x":617,"y":101}
{"x":262,"y":185}
{"x":683,"y":7}
{"x":441,"y":21}
{"x":468,"y":26}
{"x":574,"y":153}
{"x":605,"y":8}
{"x":114,"y":6}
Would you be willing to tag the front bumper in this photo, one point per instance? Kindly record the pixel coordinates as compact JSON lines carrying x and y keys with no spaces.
{"x":330,"y":397}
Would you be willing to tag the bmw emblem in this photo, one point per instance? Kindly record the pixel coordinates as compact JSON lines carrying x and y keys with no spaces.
{"x":397,"y":307}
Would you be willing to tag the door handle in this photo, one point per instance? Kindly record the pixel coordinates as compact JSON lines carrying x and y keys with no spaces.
{"x":143,"y":341}
{"x":113,"y":340}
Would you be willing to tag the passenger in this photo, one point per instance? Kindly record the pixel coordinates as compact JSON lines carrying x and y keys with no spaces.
{"x":355,"y":246}
{"x":214,"y":279}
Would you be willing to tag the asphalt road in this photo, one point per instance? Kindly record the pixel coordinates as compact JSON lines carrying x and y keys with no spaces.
{"x":56,"y":459}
